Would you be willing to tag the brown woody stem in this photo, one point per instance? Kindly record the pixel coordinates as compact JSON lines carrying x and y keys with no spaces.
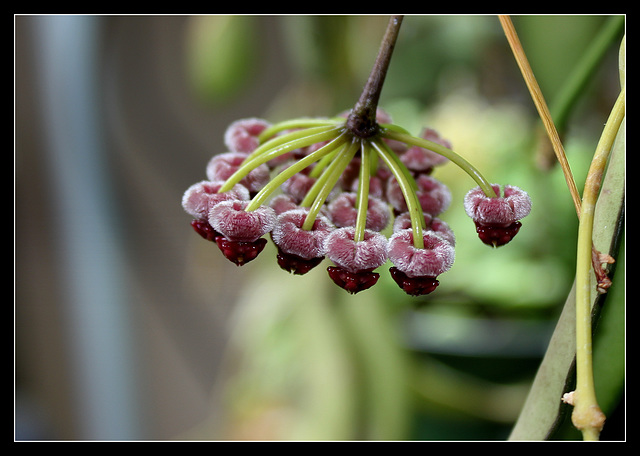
{"x":362,"y":119}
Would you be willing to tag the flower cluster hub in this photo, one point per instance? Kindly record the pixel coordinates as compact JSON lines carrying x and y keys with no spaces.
{"x":320,"y":190}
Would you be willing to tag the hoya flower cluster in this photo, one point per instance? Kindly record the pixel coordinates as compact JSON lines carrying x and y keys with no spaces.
{"x":319,"y":191}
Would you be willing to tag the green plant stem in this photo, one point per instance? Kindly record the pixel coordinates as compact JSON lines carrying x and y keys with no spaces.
{"x":448,"y":153}
{"x":277,"y":181}
{"x":407,"y":186}
{"x":322,"y":164}
{"x":302,"y":136}
{"x":326,"y":171}
{"x":264,"y":154}
{"x":587,"y":415}
{"x":362,"y":202}
{"x":327,"y":182}
{"x":295,"y":124}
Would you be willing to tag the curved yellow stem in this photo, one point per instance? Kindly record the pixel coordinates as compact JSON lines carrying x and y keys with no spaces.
{"x":587,"y":415}
{"x":362,"y":202}
{"x":407,"y":186}
{"x":461,"y":162}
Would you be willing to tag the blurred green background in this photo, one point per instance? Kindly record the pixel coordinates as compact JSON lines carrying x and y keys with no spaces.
{"x":130,"y":327}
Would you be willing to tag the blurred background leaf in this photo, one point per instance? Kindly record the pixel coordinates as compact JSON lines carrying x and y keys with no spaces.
{"x":221,"y":53}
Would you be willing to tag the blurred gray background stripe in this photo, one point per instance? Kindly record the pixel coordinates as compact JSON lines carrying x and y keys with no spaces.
{"x":98,"y":317}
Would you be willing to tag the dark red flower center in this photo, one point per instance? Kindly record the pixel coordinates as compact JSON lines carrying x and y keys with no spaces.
{"x":204,"y":229}
{"x":240,"y":252}
{"x":414,"y":286}
{"x":353,"y":282}
{"x":495,"y":235}
{"x":295,"y":264}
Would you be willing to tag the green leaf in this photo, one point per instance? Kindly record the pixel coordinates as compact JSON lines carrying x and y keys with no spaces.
{"x":544,"y":411}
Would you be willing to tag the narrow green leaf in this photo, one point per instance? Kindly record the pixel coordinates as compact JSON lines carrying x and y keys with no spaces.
{"x":543,"y":410}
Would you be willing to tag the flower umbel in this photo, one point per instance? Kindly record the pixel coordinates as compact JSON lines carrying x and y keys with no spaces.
{"x":323,"y":192}
{"x":329,"y":188}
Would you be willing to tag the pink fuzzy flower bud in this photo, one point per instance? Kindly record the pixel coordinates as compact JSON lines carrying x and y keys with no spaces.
{"x":343,"y":212}
{"x":297,"y":186}
{"x":240,"y":231}
{"x":300,"y":250}
{"x":198,"y":199}
{"x":440,"y":227}
{"x":433,"y":195}
{"x":376,"y":187}
{"x":242,"y":135}
{"x":283,"y":203}
{"x":344,"y":251}
{"x":497,"y":219}
{"x":230,"y":219}
{"x":415,"y":270}
{"x":355,"y":261}
{"x":222,"y":166}
{"x":290,"y":237}
{"x":422,"y":160}
{"x":435,"y":258}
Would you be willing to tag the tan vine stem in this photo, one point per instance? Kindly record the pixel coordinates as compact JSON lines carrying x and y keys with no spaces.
{"x":587,"y":415}
{"x":541,"y":106}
